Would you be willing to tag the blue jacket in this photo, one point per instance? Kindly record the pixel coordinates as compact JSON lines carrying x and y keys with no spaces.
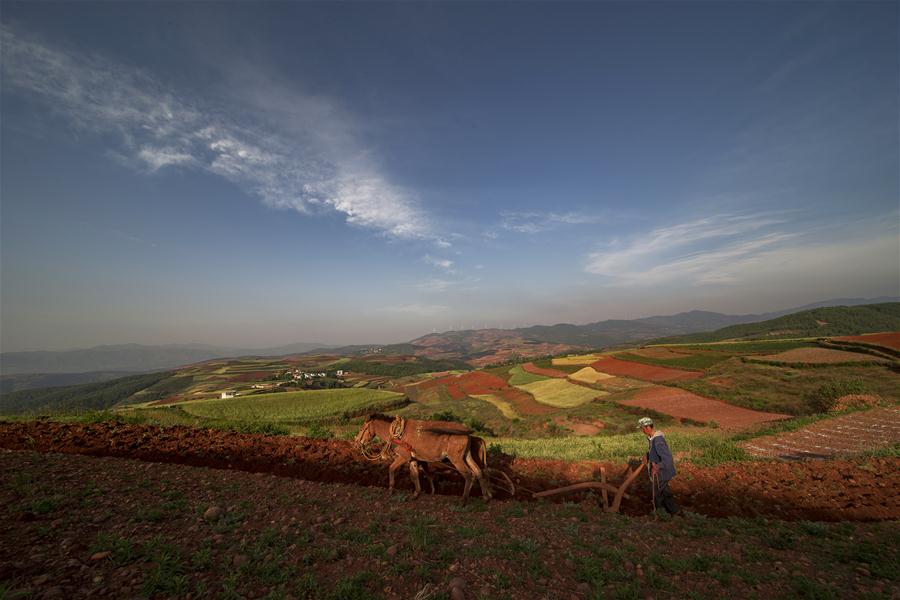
{"x":659,"y":453}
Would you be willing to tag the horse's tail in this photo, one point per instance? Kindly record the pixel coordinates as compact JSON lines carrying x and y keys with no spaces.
{"x":482,"y":452}
{"x":476,"y":459}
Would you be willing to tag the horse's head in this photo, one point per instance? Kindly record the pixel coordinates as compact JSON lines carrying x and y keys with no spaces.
{"x":365,"y":435}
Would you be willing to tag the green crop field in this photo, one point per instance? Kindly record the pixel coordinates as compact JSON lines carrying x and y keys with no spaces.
{"x":293,"y":407}
{"x":693,"y":362}
{"x":789,"y":390}
{"x":519,"y":376}
{"x":705,"y":446}
{"x":752,"y":347}
{"x":560,"y":393}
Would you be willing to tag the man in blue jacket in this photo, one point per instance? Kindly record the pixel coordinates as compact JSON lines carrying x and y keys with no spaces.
{"x":662,"y":467}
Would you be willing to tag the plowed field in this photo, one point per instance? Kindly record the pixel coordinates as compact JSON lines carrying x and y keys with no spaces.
{"x":851,"y":433}
{"x":531,"y":368}
{"x":793,"y":491}
{"x":819,"y":356}
{"x":80,"y":527}
{"x":891,"y":340}
{"x":478,"y":383}
{"x":683,"y":404}
{"x":625,"y":368}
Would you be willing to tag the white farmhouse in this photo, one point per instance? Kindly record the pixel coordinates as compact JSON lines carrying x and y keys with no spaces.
{"x":226,"y":395}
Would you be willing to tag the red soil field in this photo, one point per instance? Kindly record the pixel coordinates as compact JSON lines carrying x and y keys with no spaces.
{"x":686,"y":405}
{"x":625,"y":368}
{"x":524,"y":402}
{"x":891,"y":340}
{"x":816,"y":490}
{"x":471,"y":384}
{"x":529,"y":367}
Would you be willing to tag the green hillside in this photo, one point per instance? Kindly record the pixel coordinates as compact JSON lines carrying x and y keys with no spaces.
{"x":818,"y":322}
{"x":92,"y":396}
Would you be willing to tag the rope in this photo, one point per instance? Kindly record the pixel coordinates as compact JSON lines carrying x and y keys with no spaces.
{"x":654,"y":483}
{"x":397,"y":427}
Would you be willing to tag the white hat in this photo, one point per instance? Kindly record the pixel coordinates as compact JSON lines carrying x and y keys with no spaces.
{"x":645,"y":422}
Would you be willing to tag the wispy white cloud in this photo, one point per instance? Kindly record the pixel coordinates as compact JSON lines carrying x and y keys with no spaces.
{"x":537,"y":222}
{"x":699,"y":251}
{"x":442,"y":263}
{"x":312,"y":162}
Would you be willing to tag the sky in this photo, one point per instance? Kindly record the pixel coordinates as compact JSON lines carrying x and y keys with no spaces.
{"x":256,"y":174}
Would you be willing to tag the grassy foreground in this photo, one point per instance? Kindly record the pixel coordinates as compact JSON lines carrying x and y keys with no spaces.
{"x":138,"y":530}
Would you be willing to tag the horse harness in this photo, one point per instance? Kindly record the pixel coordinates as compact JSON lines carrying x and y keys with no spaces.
{"x":396,"y":431}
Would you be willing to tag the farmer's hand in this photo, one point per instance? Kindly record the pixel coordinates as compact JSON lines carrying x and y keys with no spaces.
{"x":655,"y":468}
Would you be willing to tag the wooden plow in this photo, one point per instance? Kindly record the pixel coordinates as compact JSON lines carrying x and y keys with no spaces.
{"x":631,"y":473}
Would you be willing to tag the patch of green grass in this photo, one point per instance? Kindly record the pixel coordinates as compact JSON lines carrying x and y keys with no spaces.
{"x":168,"y":575}
{"x":123,"y":550}
{"x":616,"y":448}
{"x":353,"y":587}
{"x":519,"y":376}
{"x":421,"y":532}
{"x":43,"y":506}
{"x":750,"y":347}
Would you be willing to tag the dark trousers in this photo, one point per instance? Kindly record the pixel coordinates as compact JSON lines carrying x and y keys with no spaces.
{"x":663,"y":497}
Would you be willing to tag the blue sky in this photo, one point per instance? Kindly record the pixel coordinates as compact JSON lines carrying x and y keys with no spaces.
{"x":262,"y":173}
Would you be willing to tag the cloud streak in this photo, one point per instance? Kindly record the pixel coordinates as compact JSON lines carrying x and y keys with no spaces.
{"x":442,"y":263}
{"x":537,"y":222}
{"x":314,"y":164}
{"x":699,"y":251}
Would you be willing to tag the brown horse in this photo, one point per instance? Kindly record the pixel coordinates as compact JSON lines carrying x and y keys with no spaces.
{"x":424,"y":442}
{"x":478,"y":452}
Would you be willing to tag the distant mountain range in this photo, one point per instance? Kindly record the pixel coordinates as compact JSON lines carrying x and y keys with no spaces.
{"x":132,"y":357}
{"x":476,"y":346}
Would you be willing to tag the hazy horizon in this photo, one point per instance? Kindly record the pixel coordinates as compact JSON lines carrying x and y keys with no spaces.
{"x":259,"y":175}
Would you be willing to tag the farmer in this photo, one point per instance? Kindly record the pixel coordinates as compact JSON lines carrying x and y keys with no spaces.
{"x":661,"y":465}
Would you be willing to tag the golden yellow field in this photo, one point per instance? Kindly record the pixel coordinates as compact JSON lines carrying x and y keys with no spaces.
{"x":502,"y":405}
{"x":589,"y":375}
{"x":560,"y":393}
{"x":582,"y":359}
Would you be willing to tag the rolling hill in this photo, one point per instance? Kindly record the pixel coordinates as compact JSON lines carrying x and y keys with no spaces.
{"x":818,"y":322}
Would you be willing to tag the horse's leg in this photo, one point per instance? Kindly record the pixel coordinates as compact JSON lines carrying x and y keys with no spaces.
{"x":460,"y":463}
{"x":398,"y":462}
{"x":430,"y":477}
{"x":480,"y":475}
{"x":414,"y":475}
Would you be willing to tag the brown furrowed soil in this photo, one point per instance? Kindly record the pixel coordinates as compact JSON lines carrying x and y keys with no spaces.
{"x":683,"y":404}
{"x":855,"y":432}
{"x":535,"y":370}
{"x":753,"y":489}
{"x":890,"y":340}
{"x":624,"y":368}
{"x":818,"y":356}
{"x":85,"y":527}
{"x":663,"y":352}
